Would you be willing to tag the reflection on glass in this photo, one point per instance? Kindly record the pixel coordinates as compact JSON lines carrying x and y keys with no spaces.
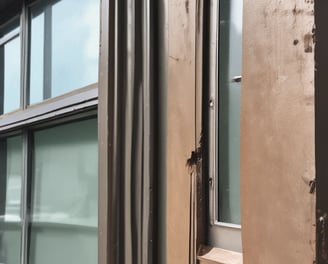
{"x":11,"y":75}
{"x":64,"y":48}
{"x":10,"y":197}
{"x":65,"y":194}
{"x":36,"y":75}
{"x":229,"y":63}
{"x":10,"y":237}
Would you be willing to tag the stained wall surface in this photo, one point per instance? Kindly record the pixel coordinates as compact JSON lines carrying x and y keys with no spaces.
{"x":277,"y":132}
{"x":180,"y":125}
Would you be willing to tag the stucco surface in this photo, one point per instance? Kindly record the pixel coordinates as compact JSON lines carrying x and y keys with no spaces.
{"x":180,"y":125}
{"x":277,"y":132}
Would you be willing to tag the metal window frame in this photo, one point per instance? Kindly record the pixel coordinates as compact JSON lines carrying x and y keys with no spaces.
{"x":69,"y":107}
{"x":223,"y":235}
{"x":10,"y":31}
{"x":113,"y":61}
{"x":125,"y":198}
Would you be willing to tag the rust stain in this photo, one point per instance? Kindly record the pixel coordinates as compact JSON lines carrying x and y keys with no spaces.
{"x":308,"y":40}
{"x":195,"y":157}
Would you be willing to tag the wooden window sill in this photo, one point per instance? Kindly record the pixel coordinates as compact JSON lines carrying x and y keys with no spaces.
{"x":211,"y":255}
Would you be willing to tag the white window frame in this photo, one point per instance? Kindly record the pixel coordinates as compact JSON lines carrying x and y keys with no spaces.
{"x":222,"y":235}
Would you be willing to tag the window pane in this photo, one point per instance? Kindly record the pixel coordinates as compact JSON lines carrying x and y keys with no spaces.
{"x":230,"y":49}
{"x":71,"y":47}
{"x":36,"y":76}
{"x":10,"y":199}
{"x":75,"y":34}
{"x":65,"y":195}
{"x":11,"y":75}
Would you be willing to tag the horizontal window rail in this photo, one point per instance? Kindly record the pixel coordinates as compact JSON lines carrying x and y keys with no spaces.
{"x":51,"y":108}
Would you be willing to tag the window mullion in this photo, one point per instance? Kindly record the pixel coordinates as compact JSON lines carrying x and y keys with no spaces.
{"x":3,"y":180}
{"x":2,"y":82}
{"x":47,"y":52}
{"x":24,"y":56}
{"x":25,"y":200}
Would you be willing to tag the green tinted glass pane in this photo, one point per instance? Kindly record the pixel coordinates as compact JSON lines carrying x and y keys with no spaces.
{"x":10,"y":199}
{"x":229,"y":64}
{"x":65,"y":194}
{"x":64,"y":47}
{"x":10,"y":242}
{"x":11,"y":75}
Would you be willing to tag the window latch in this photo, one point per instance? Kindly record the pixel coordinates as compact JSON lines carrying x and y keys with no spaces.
{"x":236,"y":79}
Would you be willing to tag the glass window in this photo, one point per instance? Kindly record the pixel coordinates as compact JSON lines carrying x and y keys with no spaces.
{"x":10,"y":199}
{"x":64,"y":48}
{"x":225,"y":57}
{"x":54,"y":218}
{"x":37,"y":53}
{"x":228,"y":114}
{"x":10,"y":57}
{"x":65,"y":194}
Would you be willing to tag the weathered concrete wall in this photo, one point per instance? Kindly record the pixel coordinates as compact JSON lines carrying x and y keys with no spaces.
{"x":180,"y":125}
{"x":277,"y":141}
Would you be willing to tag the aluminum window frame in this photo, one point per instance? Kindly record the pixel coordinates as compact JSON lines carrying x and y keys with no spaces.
{"x":222,"y":235}
{"x":70,"y":107}
{"x":8,"y":32}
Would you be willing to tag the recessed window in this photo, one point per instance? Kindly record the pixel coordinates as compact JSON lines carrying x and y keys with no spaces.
{"x":224,"y":129}
{"x":10,"y":68}
{"x":228,"y":114}
{"x":64,"y":47}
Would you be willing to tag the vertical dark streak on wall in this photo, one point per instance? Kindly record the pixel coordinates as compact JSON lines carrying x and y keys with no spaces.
{"x":321,"y":128}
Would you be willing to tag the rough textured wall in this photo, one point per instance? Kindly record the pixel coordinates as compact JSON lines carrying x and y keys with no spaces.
{"x":180,"y":125}
{"x":277,"y":141}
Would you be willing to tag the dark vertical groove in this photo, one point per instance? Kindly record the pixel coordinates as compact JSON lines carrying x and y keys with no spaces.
{"x":321,"y":129}
{"x":154,"y":115}
{"x":205,"y":118}
{"x":110,"y":242}
{"x":137,"y":137}
{"x":159,"y":86}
